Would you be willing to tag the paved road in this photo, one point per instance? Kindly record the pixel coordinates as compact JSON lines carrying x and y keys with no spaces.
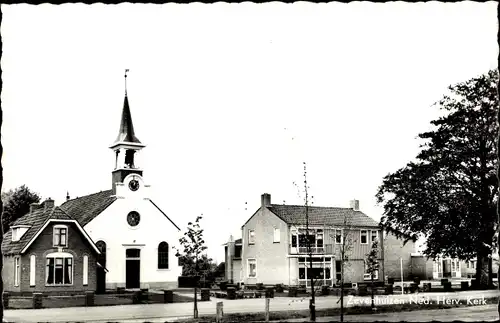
{"x":487,"y":313}
{"x":164,"y":312}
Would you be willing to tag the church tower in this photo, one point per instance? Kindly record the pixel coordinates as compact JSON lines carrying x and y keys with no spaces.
{"x":126,"y":146}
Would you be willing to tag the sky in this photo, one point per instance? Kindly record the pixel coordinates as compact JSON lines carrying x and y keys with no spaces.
{"x":232,"y":99}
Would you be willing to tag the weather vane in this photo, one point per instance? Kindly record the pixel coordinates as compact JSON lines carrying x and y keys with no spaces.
{"x":126,"y":71}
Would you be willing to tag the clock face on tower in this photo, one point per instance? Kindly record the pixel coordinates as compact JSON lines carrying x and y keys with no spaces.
{"x":133,"y":218}
{"x":133,"y":185}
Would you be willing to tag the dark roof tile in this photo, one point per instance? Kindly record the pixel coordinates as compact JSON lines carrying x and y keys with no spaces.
{"x":35,"y":220}
{"x":84,"y":209}
{"x":318,"y":215}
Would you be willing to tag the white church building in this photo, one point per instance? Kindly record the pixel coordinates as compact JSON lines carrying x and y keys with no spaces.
{"x":134,"y":235}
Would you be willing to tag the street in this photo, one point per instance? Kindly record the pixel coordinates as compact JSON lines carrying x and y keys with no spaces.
{"x":164,"y":312}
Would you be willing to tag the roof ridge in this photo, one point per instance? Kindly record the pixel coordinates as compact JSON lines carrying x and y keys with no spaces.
{"x":318,"y":206}
{"x":88,"y":195}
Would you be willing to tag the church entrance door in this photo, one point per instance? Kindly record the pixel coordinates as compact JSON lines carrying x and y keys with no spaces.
{"x":133,"y":268}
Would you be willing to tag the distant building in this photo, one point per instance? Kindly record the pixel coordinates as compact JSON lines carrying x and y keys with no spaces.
{"x":48,"y":251}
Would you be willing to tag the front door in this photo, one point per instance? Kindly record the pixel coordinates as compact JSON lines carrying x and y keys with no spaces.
{"x":133,"y":268}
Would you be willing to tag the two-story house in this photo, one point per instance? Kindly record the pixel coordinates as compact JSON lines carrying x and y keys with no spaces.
{"x":275,"y":250}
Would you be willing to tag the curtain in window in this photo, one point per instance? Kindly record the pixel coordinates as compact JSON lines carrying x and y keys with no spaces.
{"x":50,"y":271}
{"x":68,"y":270}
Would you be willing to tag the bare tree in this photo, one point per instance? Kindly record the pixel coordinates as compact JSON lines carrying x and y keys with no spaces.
{"x":344,"y":243}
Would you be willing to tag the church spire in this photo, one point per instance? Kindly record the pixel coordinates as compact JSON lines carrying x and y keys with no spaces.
{"x":126,"y":133}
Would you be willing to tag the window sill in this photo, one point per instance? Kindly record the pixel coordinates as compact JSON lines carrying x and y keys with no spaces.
{"x":251,"y":243}
{"x":58,"y":285}
{"x":276,"y":241}
{"x":163,"y":269}
{"x":66,"y":246}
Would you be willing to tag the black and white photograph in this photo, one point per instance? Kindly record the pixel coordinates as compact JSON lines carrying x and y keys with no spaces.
{"x":250,"y":162}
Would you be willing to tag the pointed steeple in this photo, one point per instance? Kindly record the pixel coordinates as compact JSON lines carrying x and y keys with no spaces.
{"x":126,"y":132}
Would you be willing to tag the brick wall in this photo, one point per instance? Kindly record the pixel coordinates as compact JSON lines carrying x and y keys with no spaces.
{"x":8,"y":274}
{"x":77,"y":246}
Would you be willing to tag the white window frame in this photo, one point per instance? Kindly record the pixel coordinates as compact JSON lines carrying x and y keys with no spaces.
{"x":376,"y":236}
{"x":17,"y":267}
{"x":251,"y":239}
{"x":276,"y":235}
{"x":15,"y":232}
{"x":361,"y":236}
{"x":341,"y":236}
{"x":85,"y":270}
{"x":64,"y":256}
{"x":32,"y":270}
{"x":249,"y":262}
{"x":57,"y":227}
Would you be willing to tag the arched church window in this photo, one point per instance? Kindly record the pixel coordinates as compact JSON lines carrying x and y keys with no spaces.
{"x":163,"y":255}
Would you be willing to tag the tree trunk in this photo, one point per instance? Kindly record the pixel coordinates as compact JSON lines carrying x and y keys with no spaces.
{"x":373,"y":294}
{"x":482,"y":270}
{"x":195,"y":314}
{"x":342,"y":288}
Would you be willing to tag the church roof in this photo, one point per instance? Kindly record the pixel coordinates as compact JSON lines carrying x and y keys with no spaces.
{"x":84,"y":209}
{"x":126,"y":133}
{"x":36,"y":221}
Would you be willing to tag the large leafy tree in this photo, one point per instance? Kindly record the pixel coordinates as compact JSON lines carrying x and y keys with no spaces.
{"x":16,"y":203}
{"x":449,"y":193}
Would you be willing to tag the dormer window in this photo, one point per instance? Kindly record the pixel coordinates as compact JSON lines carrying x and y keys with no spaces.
{"x":60,"y":236}
{"x":18,"y":232}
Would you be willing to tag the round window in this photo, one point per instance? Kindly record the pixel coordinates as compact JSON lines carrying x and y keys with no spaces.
{"x":133,"y":218}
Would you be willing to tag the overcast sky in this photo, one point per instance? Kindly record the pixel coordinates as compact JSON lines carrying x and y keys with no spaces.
{"x":231,"y":99}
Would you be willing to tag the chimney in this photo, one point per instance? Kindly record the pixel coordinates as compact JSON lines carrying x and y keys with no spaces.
{"x":48,"y":203}
{"x":67,"y":196}
{"x":33,"y":207}
{"x":355,"y":205}
{"x":265,"y":199}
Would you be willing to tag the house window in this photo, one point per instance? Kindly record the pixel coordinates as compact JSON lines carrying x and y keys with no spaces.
{"x":277,"y":235}
{"x":339,"y":236}
{"x":16,"y":271}
{"x":374,"y":236}
{"x":59,"y":269}
{"x":32,"y":270}
{"x":473,"y":264}
{"x":60,"y":236}
{"x":251,"y":236}
{"x":468,"y":264}
{"x":294,"y":241}
{"x":364,"y":236}
{"x":367,"y":275}
{"x":85,"y":270}
{"x":338,"y":270}
{"x":15,"y":233}
{"x":319,"y":239}
{"x":453,"y":268}
{"x":252,"y":268}
{"x":163,"y":255}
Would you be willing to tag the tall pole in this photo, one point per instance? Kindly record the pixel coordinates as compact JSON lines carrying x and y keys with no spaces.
{"x":309,"y":250}
{"x":402,"y":284}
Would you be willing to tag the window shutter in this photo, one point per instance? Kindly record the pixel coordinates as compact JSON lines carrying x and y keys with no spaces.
{"x":85,"y":270}
{"x":32,"y":270}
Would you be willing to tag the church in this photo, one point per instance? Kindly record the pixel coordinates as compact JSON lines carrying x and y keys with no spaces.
{"x":134,"y":236}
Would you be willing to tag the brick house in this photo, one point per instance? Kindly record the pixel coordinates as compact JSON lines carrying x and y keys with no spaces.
{"x":48,"y":251}
{"x":273,"y":245}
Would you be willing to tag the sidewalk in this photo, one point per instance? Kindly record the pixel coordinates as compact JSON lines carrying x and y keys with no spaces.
{"x":165,"y":312}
